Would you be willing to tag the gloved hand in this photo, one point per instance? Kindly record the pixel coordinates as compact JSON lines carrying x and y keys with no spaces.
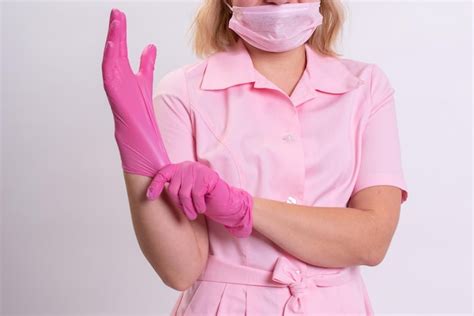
{"x":197,"y":188}
{"x":130,"y":96}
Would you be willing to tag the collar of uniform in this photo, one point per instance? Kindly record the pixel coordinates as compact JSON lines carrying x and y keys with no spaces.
{"x":234,"y":66}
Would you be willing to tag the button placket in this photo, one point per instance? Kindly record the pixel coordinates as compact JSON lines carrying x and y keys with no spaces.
{"x":291,"y":135}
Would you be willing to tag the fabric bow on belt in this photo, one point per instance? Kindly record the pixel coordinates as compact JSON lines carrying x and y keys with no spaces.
{"x":299,"y":282}
{"x":285,"y":274}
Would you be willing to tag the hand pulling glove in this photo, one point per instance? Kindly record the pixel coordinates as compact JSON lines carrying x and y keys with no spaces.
{"x":130,"y":96}
{"x":197,"y":188}
{"x":193,"y":186}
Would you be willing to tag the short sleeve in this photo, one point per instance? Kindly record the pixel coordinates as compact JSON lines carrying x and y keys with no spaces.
{"x":380,"y":146}
{"x":173,"y":117}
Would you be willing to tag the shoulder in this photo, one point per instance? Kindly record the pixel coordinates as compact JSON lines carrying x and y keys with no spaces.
{"x":369,"y":72}
{"x":377,"y":88}
{"x":377,"y":84}
{"x":177,"y":81}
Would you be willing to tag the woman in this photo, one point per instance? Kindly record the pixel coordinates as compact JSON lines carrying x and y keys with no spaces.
{"x":286,"y":173}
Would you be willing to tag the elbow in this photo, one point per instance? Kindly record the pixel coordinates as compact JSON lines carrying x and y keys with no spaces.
{"x":374,"y":259}
{"x":178,"y":286}
{"x":375,"y":255}
{"x":177,"y":283}
{"x":377,"y":245}
{"x":180,"y":281}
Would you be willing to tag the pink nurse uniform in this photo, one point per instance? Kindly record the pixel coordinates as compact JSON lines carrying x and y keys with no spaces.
{"x":334,"y":135}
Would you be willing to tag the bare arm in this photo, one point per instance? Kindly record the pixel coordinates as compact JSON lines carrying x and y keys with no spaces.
{"x":333,"y":237}
{"x":176,"y":247}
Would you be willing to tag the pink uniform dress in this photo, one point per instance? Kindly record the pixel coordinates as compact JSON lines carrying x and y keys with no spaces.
{"x":335,"y":135}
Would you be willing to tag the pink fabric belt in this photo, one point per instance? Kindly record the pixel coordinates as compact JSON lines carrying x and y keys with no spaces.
{"x":284,"y":274}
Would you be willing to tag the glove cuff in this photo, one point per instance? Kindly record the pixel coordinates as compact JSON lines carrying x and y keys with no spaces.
{"x":244,"y":222}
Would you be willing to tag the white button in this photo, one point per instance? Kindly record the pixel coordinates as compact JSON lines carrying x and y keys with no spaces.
{"x":291,"y":200}
{"x":288,"y":138}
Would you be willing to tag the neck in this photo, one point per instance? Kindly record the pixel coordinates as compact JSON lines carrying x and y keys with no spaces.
{"x":281,"y":66}
{"x":292,"y":59}
{"x":284,"y":69}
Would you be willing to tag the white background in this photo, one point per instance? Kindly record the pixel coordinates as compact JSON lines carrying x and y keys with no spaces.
{"x":68,"y":245}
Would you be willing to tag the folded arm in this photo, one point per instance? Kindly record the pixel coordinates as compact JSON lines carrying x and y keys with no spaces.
{"x":333,"y":237}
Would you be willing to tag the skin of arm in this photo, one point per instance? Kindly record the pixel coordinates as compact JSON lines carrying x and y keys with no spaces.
{"x":333,"y":237}
{"x":176,"y":247}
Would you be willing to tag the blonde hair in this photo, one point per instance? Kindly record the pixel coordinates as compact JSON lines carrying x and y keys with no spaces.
{"x":211,"y":32}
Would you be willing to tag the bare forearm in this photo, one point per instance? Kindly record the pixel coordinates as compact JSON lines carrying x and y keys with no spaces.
{"x":164,"y":234}
{"x":324,"y":236}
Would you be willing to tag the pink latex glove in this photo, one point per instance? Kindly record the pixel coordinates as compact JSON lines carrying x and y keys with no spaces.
{"x":196,"y":188}
{"x":130,"y":96}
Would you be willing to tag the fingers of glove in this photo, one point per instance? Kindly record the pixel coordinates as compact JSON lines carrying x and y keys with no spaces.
{"x":211,"y":181}
{"x":111,"y":53}
{"x":113,"y":35}
{"x":156,"y":187}
{"x":147,"y":63}
{"x":198,"y":193}
{"x":204,"y":177}
{"x":185,"y":198}
{"x":173,"y":190}
{"x":165,"y":174}
{"x":123,"y":49}
{"x":112,"y":15}
{"x":200,"y":190}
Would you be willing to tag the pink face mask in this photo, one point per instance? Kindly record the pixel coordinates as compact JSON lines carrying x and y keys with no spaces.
{"x":276,"y":28}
